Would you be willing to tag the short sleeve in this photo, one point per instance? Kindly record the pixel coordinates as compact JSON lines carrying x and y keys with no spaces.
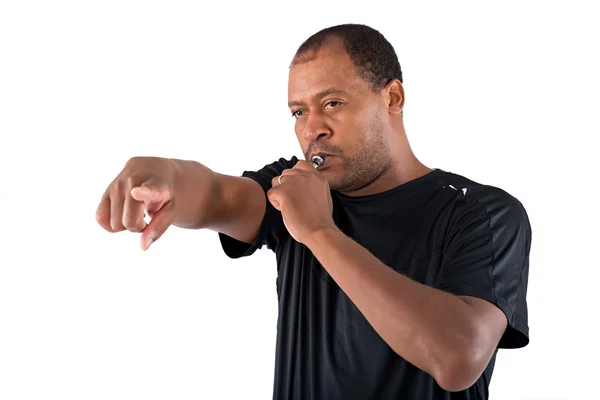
{"x":272,"y":230}
{"x":486,"y":255}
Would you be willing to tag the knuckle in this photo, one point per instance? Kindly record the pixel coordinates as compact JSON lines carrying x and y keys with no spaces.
{"x":130,"y":224}
{"x":99,"y":216}
{"x":164,"y":190}
{"x":116,"y":223}
{"x":117,"y":190}
{"x":130,"y":181}
{"x":103,"y":222}
{"x":158,"y":232}
{"x":133,"y":160}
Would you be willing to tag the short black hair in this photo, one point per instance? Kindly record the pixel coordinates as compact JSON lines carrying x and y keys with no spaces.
{"x":372,"y":54}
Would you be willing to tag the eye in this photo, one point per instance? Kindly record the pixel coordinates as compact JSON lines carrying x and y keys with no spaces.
{"x":333,"y":104}
{"x":296,"y":113}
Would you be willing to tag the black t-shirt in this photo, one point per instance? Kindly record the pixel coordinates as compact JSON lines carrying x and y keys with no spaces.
{"x":442,"y":230}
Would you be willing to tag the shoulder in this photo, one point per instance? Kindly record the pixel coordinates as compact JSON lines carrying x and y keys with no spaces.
{"x":265,"y":173}
{"x":274,"y":168}
{"x":491,"y":200}
{"x":480,"y":210}
{"x":486,"y":251}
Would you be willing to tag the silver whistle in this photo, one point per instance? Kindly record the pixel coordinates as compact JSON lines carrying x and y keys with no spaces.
{"x":317,"y":161}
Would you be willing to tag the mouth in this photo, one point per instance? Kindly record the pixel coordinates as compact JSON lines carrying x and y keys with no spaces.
{"x":325,"y":157}
{"x":322,"y":155}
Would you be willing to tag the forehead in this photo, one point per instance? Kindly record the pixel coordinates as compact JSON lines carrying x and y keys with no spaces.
{"x":313,"y":72}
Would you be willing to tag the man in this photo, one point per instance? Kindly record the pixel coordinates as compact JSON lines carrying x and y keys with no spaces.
{"x":395,"y":280}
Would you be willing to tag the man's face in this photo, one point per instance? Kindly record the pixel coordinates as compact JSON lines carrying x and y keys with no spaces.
{"x":339,"y":115}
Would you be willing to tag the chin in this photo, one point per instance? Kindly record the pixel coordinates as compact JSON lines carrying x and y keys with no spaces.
{"x":335,"y":184}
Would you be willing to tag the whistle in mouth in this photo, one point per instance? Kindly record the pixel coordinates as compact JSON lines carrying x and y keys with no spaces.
{"x":317,"y":161}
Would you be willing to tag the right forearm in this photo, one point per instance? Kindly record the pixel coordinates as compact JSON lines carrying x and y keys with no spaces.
{"x":232,"y":205}
{"x":197,"y":194}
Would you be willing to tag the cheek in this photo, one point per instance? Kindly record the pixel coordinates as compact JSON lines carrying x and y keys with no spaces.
{"x":299,"y":125}
{"x":298,"y":131}
{"x":301,"y":139}
{"x":357,"y":135}
{"x":360,"y":138}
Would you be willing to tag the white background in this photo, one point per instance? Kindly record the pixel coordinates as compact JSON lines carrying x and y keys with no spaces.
{"x":504,"y":93}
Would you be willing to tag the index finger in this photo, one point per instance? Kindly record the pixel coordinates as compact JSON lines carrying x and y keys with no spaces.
{"x":305,"y":166}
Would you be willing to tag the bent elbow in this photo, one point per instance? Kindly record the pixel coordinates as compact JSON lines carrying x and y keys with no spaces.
{"x":460,"y":372}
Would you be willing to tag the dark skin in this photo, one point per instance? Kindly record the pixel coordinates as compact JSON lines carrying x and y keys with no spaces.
{"x":450,"y":337}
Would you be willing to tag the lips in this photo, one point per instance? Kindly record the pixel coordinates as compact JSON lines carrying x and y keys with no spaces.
{"x":322,"y":155}
{"x":325,"y":157}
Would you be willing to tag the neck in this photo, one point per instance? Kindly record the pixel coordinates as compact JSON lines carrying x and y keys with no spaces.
{"x":404,"y":167}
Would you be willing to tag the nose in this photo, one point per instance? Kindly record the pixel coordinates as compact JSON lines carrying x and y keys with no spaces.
{"x":315,"y":128}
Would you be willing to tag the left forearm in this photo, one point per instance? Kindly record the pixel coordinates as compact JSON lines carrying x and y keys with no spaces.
{"x":426,"y":326}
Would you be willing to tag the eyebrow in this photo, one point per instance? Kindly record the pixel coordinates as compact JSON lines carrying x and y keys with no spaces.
{"x":319,"y":95}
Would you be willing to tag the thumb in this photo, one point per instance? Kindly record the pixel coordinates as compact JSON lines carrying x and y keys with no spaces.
{"x":150,"y":192}
{"x":273,"y":197}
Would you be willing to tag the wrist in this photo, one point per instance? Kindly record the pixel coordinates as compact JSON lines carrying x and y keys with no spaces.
{"x":322,"y":235}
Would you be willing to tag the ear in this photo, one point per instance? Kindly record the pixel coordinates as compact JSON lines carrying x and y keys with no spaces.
{"x":394,"y":96}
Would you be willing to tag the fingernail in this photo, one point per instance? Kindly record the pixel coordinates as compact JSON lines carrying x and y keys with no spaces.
{"x":146,"y":244}
{"x":140,"y":190}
